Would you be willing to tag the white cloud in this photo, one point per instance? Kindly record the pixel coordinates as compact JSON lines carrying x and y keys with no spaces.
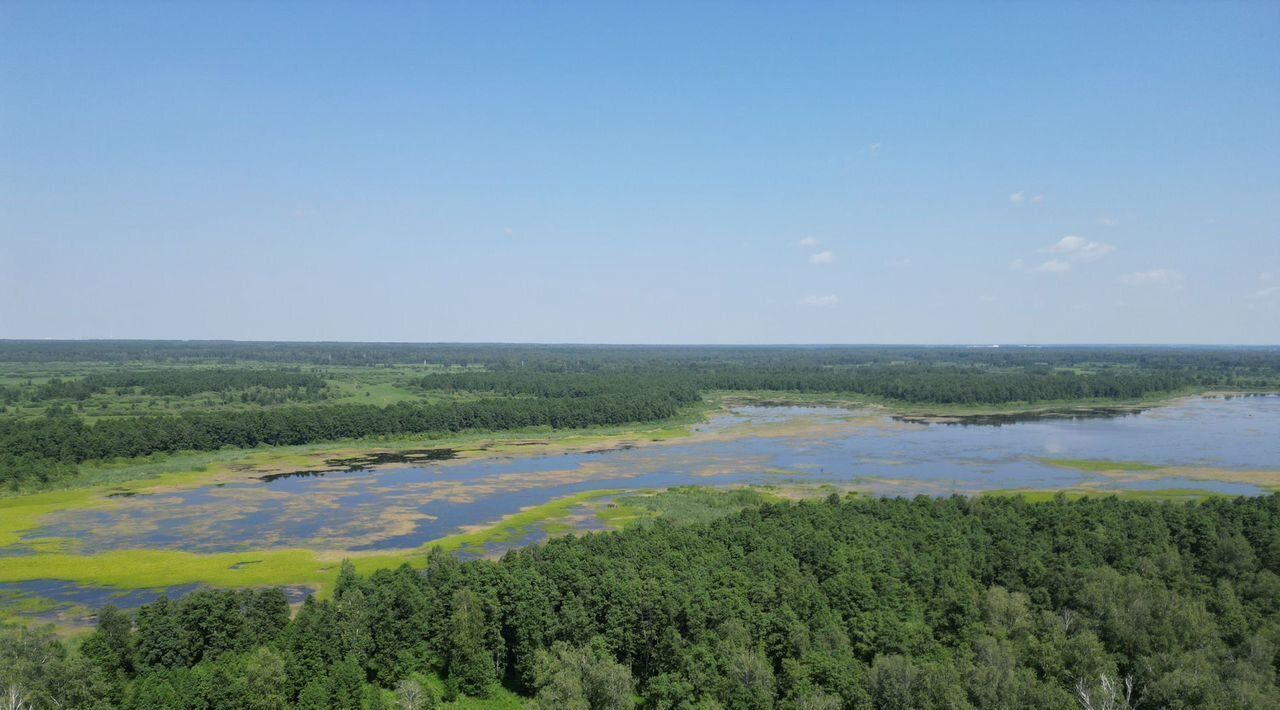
{"x":820,"y":301}
{"x":1079,"y":249}
{"x":1066,"y":245}
{"x":1267,"y":292}
{"x":1155,"y":277}
{"x":822,"y":257}
{"x":1037,"y":199}
{"x":1094,"y":251}
{"x":808,"y":242}
{"x":1018,"y":196}
{"x":903,"y":263}
{"x":1107,"y":221}
{"x":873,"y":148}
{"x":1055,"y":266}
{"x":1016,"y":264}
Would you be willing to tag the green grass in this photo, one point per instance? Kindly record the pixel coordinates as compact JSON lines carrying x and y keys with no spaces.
{"x":141,"y":569}
{"x":500,"y":699}
{"x":1099,"y":465}
{"x":683,"y":504}
{"x":548,"y":518}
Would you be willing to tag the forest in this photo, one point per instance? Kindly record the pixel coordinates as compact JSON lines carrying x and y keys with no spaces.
{"x":45,"y":449}
{"x":913,"y":384}
{"x":857,"y":602}
{"x":177,"y":382}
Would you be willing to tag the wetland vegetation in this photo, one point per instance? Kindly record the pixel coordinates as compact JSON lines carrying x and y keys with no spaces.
{"x":210,"y":396}
{"x":421,"y":499}
{"x":856,"y":602}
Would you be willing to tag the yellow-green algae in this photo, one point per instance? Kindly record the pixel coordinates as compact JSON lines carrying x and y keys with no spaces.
{"x":1099,"y":465}
{"x":134,"y":569}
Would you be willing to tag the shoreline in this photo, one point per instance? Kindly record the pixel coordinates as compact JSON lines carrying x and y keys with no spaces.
{"x":148,"y":569}
{"x":19,"y":513}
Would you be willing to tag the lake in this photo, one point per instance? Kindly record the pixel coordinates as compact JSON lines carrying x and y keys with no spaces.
{"x":405,"y":507}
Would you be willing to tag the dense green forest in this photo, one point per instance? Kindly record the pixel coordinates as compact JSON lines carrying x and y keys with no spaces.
{"x":507,"y":387}
{"x":904,"y":383}
{"x":861,"y":603}
{"x":47,"y":448}
{"x":175,"y":382}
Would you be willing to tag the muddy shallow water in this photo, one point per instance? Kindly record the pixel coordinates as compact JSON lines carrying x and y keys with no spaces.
{"x":389,"y":508}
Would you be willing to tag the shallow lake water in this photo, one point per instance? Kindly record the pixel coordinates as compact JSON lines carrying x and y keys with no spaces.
{"x":405,"y":507}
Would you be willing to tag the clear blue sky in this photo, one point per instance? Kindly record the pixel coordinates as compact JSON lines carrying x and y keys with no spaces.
{"x":708,"y":172}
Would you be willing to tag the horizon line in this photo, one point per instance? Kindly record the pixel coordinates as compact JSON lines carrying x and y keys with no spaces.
{"x":973,"y":344}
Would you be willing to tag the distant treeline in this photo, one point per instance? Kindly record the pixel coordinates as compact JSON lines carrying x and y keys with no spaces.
{"x":940,"y":384}
{"x":178,"y":382}
{"x":889,"y":604}
{"x":588,"y":358}
{"x":37,"y":450}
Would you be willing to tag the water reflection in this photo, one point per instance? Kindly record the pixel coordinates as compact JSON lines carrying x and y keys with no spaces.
{"x":354,"y":508}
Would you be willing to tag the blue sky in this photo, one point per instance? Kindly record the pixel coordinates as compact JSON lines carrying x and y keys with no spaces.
{"x":706,"y":172}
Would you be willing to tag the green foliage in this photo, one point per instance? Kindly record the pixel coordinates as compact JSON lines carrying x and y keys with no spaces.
{"x":266,"y":682}
{"x":469,"y":664}
{"x":581,"y":678}
{"x":42,"y":449}
{"x":858,"y":603}
{"x":181,"y":382}
{"x":37,"y":672}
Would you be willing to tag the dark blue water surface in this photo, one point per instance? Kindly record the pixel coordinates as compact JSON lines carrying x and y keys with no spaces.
{"x":406,"y":507}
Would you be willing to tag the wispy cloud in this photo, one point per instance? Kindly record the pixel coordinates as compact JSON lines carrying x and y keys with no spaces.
{"x":1055,"y":266}
{"x":822,"y":257}
{"x":1107,"y":221}
{"x":808,"y":242}
{"x":1037,"y":199}
{"x":1079,"y":249}
{"x":1065,"y":245}
{"x":1154,"y":277}
{"x":873,"y":148}
{"x":1267,"y":292}
{"x":903,"y":263}
{"x":1018,"y":196}
{"x":1017,"y":264}
{"x":820,"y":301}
